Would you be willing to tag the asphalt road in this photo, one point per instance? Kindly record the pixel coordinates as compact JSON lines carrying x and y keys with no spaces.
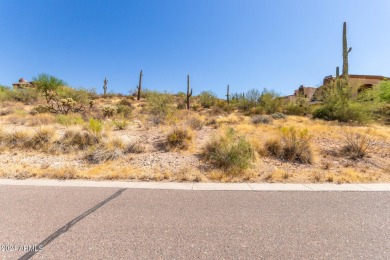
{"x":111,"y":223}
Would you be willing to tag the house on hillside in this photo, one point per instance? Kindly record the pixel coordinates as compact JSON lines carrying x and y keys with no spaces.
{"x":22,"y":83}
{"x":302,"y":91}
{"x":358,"y":82}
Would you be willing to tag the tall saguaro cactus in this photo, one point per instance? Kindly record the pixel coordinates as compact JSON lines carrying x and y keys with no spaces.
{"x":337,"y":72}
{"x":139,"y":87}
{"x":228,"y":94}
{"x":345,"y":51}
{"x":105,"y":86}
{"x":189,"y":93}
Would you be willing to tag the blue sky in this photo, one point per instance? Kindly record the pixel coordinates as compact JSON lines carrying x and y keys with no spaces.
{"x":277,"y":44}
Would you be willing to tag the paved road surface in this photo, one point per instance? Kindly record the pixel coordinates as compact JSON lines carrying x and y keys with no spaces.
{"x":104,"y":223}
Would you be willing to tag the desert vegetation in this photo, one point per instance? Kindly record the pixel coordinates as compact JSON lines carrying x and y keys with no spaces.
{"x":55,"y":131}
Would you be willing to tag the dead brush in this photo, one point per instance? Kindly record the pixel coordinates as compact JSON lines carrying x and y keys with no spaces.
{"x":357,"y":145}
{"x":40,"y":119}
{"x":14,"y":140}
{"x":134,"y":148}
{"x":110,"y":151}
{"x":75,"y":139}
{"x":195,"y":123}
{"x":40,"y":140}
{"x":103,"y":154}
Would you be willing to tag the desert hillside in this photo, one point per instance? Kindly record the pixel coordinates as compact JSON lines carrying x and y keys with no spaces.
{"x":157,"y":138}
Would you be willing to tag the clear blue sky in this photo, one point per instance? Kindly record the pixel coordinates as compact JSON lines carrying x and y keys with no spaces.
{"x":277,"y":44}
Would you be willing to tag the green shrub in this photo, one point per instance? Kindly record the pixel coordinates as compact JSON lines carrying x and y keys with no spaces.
{"x":231,"y":152}
{"x":270,"y":102}
{"x":5,"y":93}
{"x":159,"y":104}
{"x":179,"y":138}
{"x":300,"y":107}
{"x":384,"y":91}
{"x":124,"y":110}
{"x":48,"y":85}
{"x":207,"y":99}
{"x":40,"y":109}
{"x":223,"y":105}
{"x":248,"y":101}
{"x":81,"y":96}
{"x":68,"y":120}
{"x":95,"y":126}
{"x":27,"y":96}
{"x":339,"y":105}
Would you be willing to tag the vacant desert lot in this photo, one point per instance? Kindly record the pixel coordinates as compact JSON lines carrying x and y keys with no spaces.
{"x":45,"y":145}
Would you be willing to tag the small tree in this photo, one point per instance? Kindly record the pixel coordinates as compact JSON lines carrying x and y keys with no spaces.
{"x":48,"y":85}
{"x":270,"y":102}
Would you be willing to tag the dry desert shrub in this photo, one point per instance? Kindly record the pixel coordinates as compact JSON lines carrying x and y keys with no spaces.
{"x":134,"y":148}
{"x":40,"y":140}
{"x":230,"y":152}
{"x":195,"y":123}
{"x":108,"y":151}
{"x":17,"y":119}
{"x":179,"y":138}
{"x":65,"y":173}
{"x":103,"y":154}
{"x":14,"y":139}
{"x":357,"y":145}
{"x":262,"y":119}
{"x":293,"y":145}
{"x":41,"y":119}
{"x":76,"y":140}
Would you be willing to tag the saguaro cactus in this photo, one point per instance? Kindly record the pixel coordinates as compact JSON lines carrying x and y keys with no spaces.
{"x":228,"y":94}
{"x":189,"y":93}
{"x":139,"y":87}
{"x":105,"y":86}
{"x":345,"y":51}
{"x":337,"y":72}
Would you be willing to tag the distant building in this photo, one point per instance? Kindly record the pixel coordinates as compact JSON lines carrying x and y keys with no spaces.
{"x":22,"y":83}
{"x":302,"y":91}
{"x":357,"y":82}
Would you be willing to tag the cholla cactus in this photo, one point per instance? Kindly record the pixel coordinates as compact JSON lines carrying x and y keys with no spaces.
{"x":66,"y":104}
{"x":109,"y":110}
